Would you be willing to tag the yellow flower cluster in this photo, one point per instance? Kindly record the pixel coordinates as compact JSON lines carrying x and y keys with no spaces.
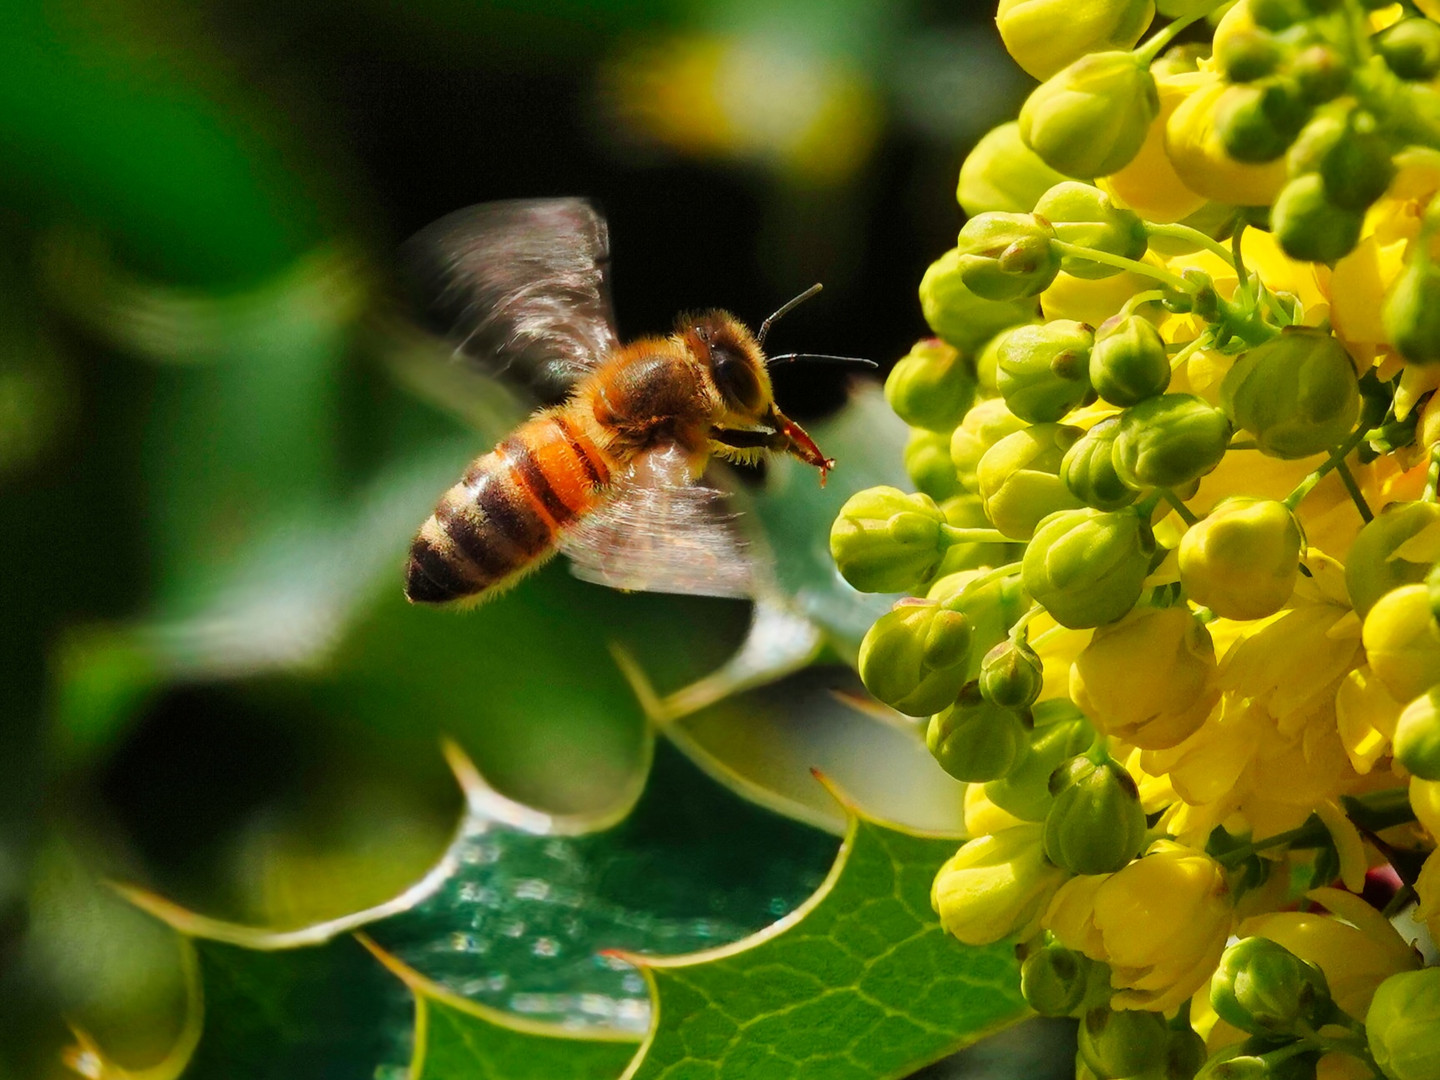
{"x":1204,"y":426}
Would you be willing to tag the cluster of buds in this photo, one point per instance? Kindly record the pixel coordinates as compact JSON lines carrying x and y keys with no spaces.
{"x":1173,"y":560}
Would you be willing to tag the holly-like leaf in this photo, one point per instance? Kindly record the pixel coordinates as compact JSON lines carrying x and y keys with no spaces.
{"x":859,"y":983}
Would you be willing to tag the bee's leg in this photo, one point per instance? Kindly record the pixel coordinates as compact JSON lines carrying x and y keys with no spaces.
{"x":751,"y":440}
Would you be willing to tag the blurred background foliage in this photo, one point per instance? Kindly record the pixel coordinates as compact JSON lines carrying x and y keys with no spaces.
{"x":218,"y":432}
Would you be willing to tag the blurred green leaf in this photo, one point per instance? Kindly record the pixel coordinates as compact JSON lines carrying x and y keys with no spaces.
{"x":862,"y":984}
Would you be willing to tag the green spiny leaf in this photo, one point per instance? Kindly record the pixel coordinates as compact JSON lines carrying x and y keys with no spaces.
{"x":859,"y":983}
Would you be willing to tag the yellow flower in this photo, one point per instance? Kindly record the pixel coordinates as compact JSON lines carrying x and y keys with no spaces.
{"x":1425,"y":801}
{"x":1149,"y":185}
{"x":1366,"y":713}
{"x":1147,"y":678}
{"x":1090,"y":301}
{"x":1427,"y":888}
{"x":983,"y":817}
{"x":1199,"y":157}
{"x":1357,"y":289}
{"x":1160,"y":923}
{"x":995,"y":886}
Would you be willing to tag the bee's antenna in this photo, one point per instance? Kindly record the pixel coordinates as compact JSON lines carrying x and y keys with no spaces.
{"x":817,"y":358}
{"x":785,"y":308}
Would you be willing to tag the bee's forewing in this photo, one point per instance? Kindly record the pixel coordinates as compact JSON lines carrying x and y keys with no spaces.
{"x":520,"y":286}
{"x":660,"y":532}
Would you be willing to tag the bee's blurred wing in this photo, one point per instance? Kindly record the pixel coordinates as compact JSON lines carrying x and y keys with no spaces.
{"x":520,"y":286}
{"x":661,"y":532}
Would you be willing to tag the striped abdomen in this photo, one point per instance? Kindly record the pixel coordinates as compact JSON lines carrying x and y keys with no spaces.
{"x":503,"y":516}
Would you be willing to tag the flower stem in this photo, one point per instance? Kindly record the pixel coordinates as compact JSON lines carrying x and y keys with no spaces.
{"x":1080,"y":251}
{"x":1348,"y":479}
{"x":1354,"y":439}
{"x":954,"y":534}
{"x":1189,"y":235}
{"x":1152,"y":48}
{"x":1149,"y":296}
{"x":976,"y":584}
{"x":1178,"y":505}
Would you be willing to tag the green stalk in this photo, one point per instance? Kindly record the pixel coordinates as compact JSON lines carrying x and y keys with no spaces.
{"x":1120,"y":262}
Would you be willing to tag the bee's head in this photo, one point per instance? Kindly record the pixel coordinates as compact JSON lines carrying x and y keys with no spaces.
{"x":733,"y":360}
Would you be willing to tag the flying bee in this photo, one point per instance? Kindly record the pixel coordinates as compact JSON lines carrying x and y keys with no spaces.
{"x":610,"y":472}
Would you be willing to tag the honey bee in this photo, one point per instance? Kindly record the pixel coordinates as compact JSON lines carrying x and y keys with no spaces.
{"x":610,"y":472}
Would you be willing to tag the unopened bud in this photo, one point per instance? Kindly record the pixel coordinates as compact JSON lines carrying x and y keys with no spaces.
{"x":1002,"y":173}
{"x":1321,"y":73}
{"x":1061,"y":731}
{"x":975,"y":740}
{"x":1242,"y":560}
{"x":1091,"y":118}
{"x":1398,"y":547}
{"x":1402,"y":642}
{"x":1019,"y":478}
{"x":1169,"y":440}
{"x":1095,"y":825}
{"x":1128,"y":362}
{"x":1263,"y":988}
{"x":1411,"y":312}
{"x":1056,"y":981}
{"x":1028,"y":29}
{"x":1417,"y":734}
{"x":1258,"y":121}
{"x":984,"y":425}
{"x":1088,"y":469}
{"x":1296,"y":393}
{"x":1007,"y":256}
{"x":995,"y":886}
{"x":1310,"y":226}
{"x":1083,"y":214}
{"x":1248,"y":55}
{"x":927,"y":463}
{"x":931,"y":386}
{"x":887,"y":541}
{"x":1043,"y":371}
{"x":1087,"y":567}
{"x":914,"y":658}
{"x":1410,"y":48}
{"x":1401,"y":1024}
{"x":1011,"y":675}
{"x":1357,"y":169}
{"x":956,"y":314}
{"x":1122,"y":1043}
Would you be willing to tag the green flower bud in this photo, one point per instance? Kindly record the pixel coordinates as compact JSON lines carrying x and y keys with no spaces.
{"x":1278,"y":14}
{"x":1122,"y":1043}
{"x":931,"y":386}
{"x":956,"y":314}
{"x":1088,"y":469}
{"x":1258,"y":121}
{"x":1019,"y":478}
{"x":1056,"y":981}
{"x":1248,"y":55}
{"x":968,"y":512}
{"x":1410,"y":48}
{"x":1044,"y":370}
{"x":1402,"y":641}
{"x":1083,"y":214}
{"x":1061,"y":731}
{"x":1321,"y":73}
{"x":1432,"y":586}
{"x":995,"y":886}
{"x":1411,"y":311}
{"x":1028,"y":29}
{"x":1128,"y":362}
{"x":991,"y":608}
{"x":1260,"y":1059}
{"x":1007,"y":256}
{"x":1184,"y":1054}
{"x":1092,"y":118}
{"x":927,"y":463}
{"x":887,"y":541}
{"x":1297,"y":393}
{"x":1011,"y":675}
{"x":1087,"y":567}
{"x":1357,"y":169}
{"x":975,"y":741}
{"x":1326,"y":130}
{"x":1095,"y":825}
{"x":984,"y":425}
{"x":1386,"y":553}
{"x":914,"y":658}
{"x":1242,"y":560}
{"x":1263,"y":988}
{"x":1401,"y":1024}
{"x":1417,"y":735}
{"x":987,"y":366}
{"x":1311,"y":227}
{"x":1002,"y":173}
{"x":1169,"y":440}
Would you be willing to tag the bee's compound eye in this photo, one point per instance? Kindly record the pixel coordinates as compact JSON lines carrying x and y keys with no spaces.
{"x":736,"y":379}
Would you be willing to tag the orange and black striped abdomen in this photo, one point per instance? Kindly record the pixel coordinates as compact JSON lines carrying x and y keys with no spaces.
{"x":503,"y":516}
